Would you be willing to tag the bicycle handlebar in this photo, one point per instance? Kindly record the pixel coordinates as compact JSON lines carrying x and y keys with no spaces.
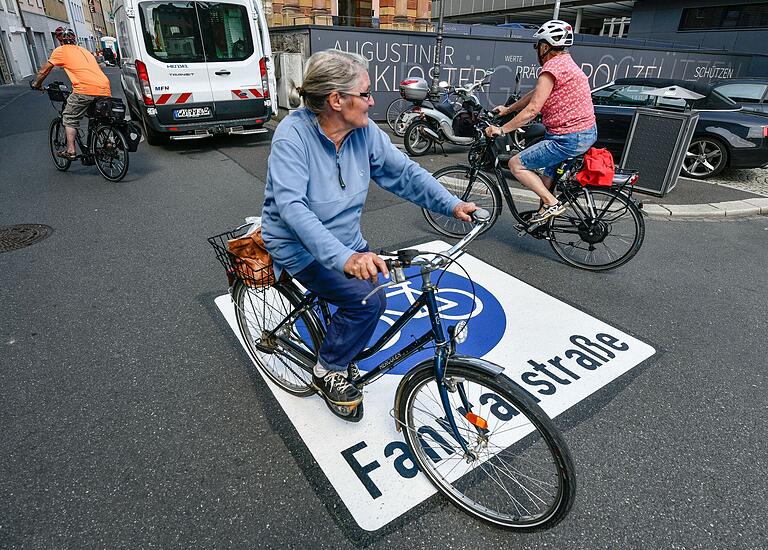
{"x":410,"y":257}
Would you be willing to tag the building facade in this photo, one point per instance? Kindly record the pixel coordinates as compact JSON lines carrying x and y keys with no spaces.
{"x":37,"y":26}
{"x":13,"y":42}
{"x":77,"y":22}
{"x":109,"y":23}
{"x":384,"y":14}
{"x":739,"y":26}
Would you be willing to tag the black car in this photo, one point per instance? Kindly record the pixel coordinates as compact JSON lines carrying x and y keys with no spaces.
{"x":750,"y":93}
{"x":726,"y":134}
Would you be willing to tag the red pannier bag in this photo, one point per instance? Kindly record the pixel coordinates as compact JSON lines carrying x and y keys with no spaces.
{"x":598,"y":168}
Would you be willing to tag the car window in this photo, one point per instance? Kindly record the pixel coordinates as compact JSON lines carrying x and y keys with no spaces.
{"x":743,"y":93}
{"x":671,"y":102}
{"x":171,"y":31}
{"x":226,"y":31}
{"x":623,"y":95}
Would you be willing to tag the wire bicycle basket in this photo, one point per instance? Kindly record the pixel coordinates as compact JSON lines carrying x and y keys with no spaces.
{"x":252,"y":269}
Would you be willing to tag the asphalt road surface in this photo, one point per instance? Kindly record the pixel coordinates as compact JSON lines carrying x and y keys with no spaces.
{"x":131,"y":418}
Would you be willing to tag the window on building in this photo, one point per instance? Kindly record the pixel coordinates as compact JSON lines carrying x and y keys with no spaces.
{"x":729,"y":17}
{"x":355,"y":13}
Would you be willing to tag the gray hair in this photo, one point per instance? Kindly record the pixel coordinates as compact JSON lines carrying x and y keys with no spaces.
{"x":325,"y":72}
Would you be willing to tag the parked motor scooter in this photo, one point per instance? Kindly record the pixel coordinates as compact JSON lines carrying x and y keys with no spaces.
{"x":520,"y":138}
{"x":431,"y":123}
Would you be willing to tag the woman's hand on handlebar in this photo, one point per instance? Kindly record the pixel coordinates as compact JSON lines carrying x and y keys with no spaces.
{"x":493,"y":131}
{"x":463,"y":210}
{"x":502,"y":110}
{"x":365,"y":265}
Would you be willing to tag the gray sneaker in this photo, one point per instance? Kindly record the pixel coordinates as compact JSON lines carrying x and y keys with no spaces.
{"x":336,"y":388}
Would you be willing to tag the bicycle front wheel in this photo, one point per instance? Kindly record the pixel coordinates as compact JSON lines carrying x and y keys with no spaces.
{"x":287,"y":356}
{"x":395,"y":109}
{"x":110,"y":152}
{"x":518,"y":473}
{"x":602,"y":229}
{"x":57,"y":138}
{"x":478,"y":189}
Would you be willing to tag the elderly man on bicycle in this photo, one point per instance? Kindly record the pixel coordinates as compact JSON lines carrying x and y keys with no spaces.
{"x":88,"y":83}
{"x":322,"y":160}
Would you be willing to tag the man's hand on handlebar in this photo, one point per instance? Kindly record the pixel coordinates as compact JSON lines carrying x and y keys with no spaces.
{"x":35,"y":85}
{"x":463,"y":210}
{"x":366,"y":265}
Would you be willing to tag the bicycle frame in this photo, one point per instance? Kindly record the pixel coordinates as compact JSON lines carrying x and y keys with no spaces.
{"x":435,"y":335}
{"x":562,"y":169}
{"x":85,"y":148}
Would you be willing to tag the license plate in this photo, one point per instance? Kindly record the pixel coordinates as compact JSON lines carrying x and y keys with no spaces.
{"x":192,"y":112}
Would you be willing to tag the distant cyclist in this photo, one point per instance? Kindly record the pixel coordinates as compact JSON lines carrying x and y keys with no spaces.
{"x":563,"y":98}
{"x":322,"y":160}
{"x":88,"y":83}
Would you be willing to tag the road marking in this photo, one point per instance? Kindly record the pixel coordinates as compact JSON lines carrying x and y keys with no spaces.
{"x":557,"y":353}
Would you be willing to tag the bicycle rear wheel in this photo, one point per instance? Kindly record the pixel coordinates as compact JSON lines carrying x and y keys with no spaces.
{"x":478,"y":189}
{"x":602,"y":229}
{"x":287,"y":358}
{"x":394,"y":110}
{"x":110,"y":152}
{"x":57,"y":138}
{"x":519,"y":474}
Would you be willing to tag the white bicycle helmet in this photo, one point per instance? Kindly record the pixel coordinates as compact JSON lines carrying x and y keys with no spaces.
{"x":556,"y":33}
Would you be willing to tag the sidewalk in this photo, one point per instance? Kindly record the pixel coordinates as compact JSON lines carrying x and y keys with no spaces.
{"x":689,"y":199}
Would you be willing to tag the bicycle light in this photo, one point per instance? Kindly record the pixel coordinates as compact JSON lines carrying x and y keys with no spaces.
{"x":460,"y":332}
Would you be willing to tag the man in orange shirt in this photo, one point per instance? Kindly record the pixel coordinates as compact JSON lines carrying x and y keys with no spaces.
{"x":88,"y":83}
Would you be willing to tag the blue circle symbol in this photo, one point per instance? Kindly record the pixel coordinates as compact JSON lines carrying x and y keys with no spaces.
{"x":454,"y":300}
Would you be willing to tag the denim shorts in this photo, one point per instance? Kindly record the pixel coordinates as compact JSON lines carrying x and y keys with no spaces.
{"x":555,"y":148}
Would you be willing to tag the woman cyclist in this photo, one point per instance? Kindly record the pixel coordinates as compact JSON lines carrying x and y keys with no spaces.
{"x":322,"y":159}
{"x":563,"y":98}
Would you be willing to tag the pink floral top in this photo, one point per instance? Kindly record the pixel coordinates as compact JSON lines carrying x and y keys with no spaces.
{"x":568,"y":108}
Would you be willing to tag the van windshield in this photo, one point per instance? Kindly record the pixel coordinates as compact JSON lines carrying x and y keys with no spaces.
{"x":194,"y":32}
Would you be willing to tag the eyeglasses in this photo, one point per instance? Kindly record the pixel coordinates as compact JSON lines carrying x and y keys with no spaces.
{"x":364,"y":95}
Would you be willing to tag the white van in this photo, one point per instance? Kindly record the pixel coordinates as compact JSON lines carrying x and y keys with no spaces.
{"x":193,"y":69}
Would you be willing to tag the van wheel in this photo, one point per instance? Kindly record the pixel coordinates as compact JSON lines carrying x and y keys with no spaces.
{"x":151,"y":135}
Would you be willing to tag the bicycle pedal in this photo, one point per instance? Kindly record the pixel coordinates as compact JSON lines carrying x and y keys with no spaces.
{"x":352,"y":413}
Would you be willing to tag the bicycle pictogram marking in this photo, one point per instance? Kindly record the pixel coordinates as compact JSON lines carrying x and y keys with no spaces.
{"x":487,"y":321}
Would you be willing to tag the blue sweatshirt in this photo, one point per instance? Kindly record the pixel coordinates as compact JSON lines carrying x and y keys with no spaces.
{"x":314,"y":196}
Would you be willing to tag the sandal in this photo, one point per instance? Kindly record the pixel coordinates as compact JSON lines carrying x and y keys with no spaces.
{"x":548,"y":212}
{"x":66,"y":155}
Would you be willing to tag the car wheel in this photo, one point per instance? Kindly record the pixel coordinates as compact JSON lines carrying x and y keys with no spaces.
{"x":706,"y":157}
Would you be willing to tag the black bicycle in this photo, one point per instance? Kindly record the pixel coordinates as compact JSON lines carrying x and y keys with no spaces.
{"x":108,"y":139}
{"x":480,"y":439}
{"x":601,"y":229}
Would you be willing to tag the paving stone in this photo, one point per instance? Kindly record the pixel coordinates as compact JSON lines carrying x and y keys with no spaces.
{"x":762,"y":204}
{"x":693,"y":210}
{"x":656,"y":210}
{"x":737,"y":208}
